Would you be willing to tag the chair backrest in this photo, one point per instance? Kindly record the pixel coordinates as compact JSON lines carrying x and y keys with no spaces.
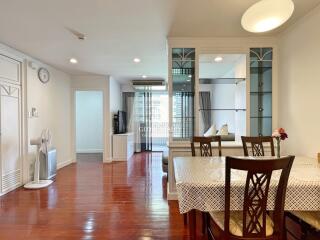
{"x":257,"y":145}
{"x":259,"y":173}
{"x":205,"y":145}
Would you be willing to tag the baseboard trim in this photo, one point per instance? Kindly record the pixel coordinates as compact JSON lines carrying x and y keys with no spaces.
{"x":90,"y":151}
{"x":119,"y":159}
{"x":64,"y":164}
{"x":107,"y":160}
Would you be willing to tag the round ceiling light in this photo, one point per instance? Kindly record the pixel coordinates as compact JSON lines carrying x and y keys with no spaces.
{"x":144,"y":76}
{"x":218,"y":59}
{"x":267,"y":15}
{"x":73,"y":60}
{"x":137,"y":60}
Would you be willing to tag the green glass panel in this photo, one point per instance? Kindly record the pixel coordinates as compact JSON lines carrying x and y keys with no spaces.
{"x":261,"y":126}
{"x":183,"y":65}
{"x":261,"y":105}
{"x":261,"y":91}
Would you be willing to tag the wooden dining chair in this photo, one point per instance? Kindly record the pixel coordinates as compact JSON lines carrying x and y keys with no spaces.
{"x":205,"y":151}
{"x":257,"y":147}
{"x":205,"y":145}
{"x":253,"y":222}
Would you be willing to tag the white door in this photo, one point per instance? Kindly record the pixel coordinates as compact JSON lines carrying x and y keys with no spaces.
{"x":10,"y":124}
{"x":11,"y":162}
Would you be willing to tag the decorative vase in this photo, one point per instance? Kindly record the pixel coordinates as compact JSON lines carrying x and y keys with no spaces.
{"x":278,"y":146}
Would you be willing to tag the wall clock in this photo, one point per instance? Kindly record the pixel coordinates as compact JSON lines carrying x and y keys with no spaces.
{"x":43,"y":75}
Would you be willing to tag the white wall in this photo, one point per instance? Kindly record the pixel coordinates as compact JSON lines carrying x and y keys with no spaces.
{"x":299,"y":85}
{"x":52,"y":101}
{"x":115,"y":97}
{"x":115,"y":101}
{"x":89,"y":121}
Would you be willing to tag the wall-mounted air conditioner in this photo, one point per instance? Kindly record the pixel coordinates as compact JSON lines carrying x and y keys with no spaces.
{"x":149,"y":85}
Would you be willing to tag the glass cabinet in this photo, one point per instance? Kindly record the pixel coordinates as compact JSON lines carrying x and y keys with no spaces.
{"x":260,"y":91}
{"x":183,"y":69}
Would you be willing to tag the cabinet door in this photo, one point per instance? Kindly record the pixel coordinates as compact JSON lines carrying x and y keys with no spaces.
{"x":11,"y":162}
{"x":10,"y":70}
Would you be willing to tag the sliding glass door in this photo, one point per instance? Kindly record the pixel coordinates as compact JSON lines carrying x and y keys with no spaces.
{"x":148,"y":118}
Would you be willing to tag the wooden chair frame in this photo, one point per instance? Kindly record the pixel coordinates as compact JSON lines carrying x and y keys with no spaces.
{"x":205,"y":145}
{"x":255,"y":199}
{"x":205,"y":151}
{"x":257,"y":145}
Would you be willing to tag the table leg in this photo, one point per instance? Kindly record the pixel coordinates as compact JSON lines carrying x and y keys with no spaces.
{"x":192,"y":224}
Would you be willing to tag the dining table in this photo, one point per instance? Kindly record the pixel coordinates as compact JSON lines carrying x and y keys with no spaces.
{"x":200,"y":183}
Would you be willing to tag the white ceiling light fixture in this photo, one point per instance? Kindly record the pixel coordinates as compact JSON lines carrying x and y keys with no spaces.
{"x":218,"y":59}
{"x":137,"y":60}
{"x":73,"y":60}
{"x":144,"y":76}
{"x":267,"y":15}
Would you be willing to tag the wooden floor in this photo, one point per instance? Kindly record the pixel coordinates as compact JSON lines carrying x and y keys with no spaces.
{"x":92,"y":200}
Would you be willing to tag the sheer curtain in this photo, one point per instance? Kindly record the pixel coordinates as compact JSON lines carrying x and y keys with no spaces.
{"x":133,"y":123}
{"x":147,"y":121}
{"x":205,"y":107}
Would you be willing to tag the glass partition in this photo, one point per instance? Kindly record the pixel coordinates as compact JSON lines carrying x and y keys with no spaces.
{"x":261,"y":91}
{"x":183,"y":69}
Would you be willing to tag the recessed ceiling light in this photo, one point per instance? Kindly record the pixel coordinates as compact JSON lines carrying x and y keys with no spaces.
{"x":190,"y":76}
{"x":137,"y":60}
{"x":218,"y":59}
{"x":144,"y":76}
{"x":73,"y":60}
{"x":267,"y":15}
{"x":188,"y":80}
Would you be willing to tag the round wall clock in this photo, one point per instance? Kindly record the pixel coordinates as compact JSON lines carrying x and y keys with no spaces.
{"x":43,"y":75}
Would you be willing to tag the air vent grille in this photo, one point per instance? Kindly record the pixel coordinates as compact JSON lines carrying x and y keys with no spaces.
{"x":148,"y":82}
{"x":11,"y":180}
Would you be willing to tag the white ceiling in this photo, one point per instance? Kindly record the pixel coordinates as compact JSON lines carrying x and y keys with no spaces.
{"x":119,"y":30}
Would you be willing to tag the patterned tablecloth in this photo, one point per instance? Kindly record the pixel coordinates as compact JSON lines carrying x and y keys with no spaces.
{"x":200,"y":185}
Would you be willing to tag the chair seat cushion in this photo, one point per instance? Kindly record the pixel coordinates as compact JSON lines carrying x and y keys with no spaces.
{"x":236,"y":222}
{"x":312,"y":217}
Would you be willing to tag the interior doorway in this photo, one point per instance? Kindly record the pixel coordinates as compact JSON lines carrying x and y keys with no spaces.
{"x":89,"y":123}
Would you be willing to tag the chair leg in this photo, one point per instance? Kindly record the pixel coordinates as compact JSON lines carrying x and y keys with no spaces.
{"x":185,"y":218}
{"x":209,"y":233}
{"x":204,"y":222}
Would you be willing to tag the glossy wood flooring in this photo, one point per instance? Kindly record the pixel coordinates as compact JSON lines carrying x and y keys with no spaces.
{"x":92,"y":200}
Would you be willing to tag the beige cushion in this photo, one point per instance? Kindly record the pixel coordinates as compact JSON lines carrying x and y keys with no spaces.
{"x":212,"y":131}
{"x":223,"y":130}
{"x":236,"y":222}
{"x":312,"y":218}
